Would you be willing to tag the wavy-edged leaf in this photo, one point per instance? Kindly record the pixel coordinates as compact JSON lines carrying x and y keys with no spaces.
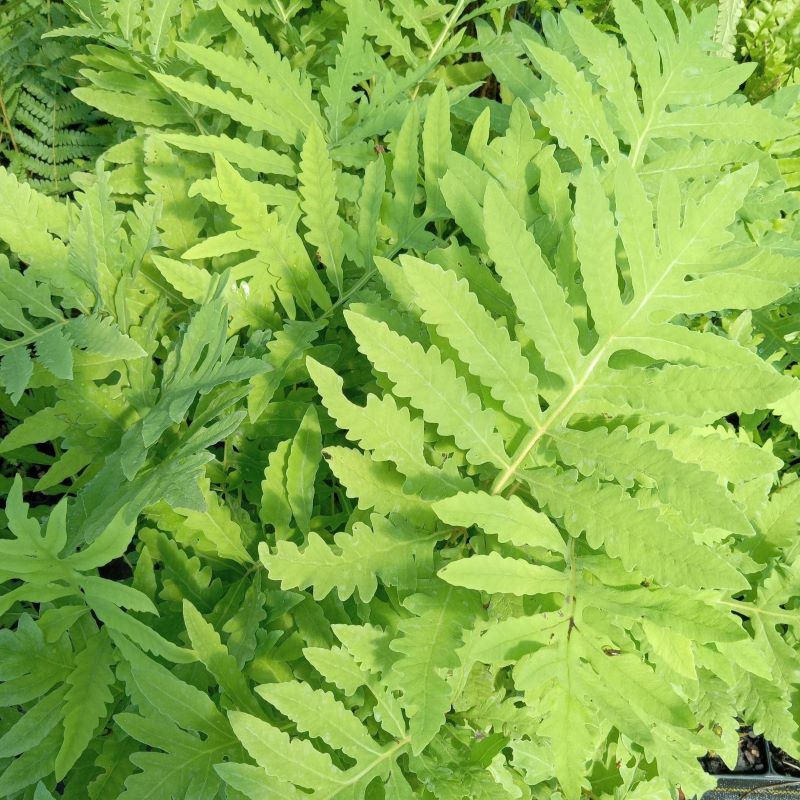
{"x":432,"y":386}
{"x":319,"y":714}
{"x":376,"y":485}
{"x":695,"y":493}
{"x":218,"y":661}
{"x":319,"y":204}
{"x":388,"y":431}
{"x":481,"y":343}
{"x":86,"y":700}
{"x":427,"y":645}
{"x":496,"y":574}
{"x":302,"y":463}
{"x":509,"y":519}
{"x":637,"y":535}
{"x":385,"y":550}
{"x":541,"y":303}
{"x":241,"y":153}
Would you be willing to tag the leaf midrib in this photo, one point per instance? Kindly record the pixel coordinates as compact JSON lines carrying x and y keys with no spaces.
{"x":550,"y":419}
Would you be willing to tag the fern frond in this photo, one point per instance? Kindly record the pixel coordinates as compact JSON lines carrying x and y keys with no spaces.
{"x":426,"y":647}
{"x":392,"y":552}
{"x":318,"y":192}
{"x":729,"y":12}
{"x":433,"y":386}
{"x":46,"y":133}
{"x":292,"y":762}
{"x":86,"y":699}
{"x":483,"y":345}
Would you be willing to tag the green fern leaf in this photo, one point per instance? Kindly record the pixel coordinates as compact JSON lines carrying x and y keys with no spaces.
{"x":369,"y":208}
{"x":427,"y":645}
{"x":248,"y":112}
{"x":293,"y":90}
{"x":526,"y":277}
{"x":214,"y":527}
{"x":626,"y":459}
{"x":288,"y":347}
{"x":202,"y":360}
{"x":576,"y":101}
{"x":115,"y":765}
{"x":86,"y":700}
{"x":391,"y":552}
{"x":318,"y":714}
{"x":215,"y":656}
{"x":610,"y":63}
{"x":295,"y":762}
{"x":100,"y":335}
{"x":432,"y":386}
{"x":185,"y":576}
{"x":380,"y":25}
{"x":302,"y":463}
{"x":256,"y":783}
{"x":352,"y":63}
{"x":16,"y":370}
{"x":691,"y":614}
{"x":436,"y":145}
{"x":381,"y":427}
{"x":635,"y":534}
{"x":554,"y":393}
{"x":53,"y":352}
{"x":376,"y":485}
{"x":158,"y":21}
{"x":596,"y":244}
{"x":481,"y":343}
{"x":340,"y":668}
{"x":242,"y":628}
{"x":238,"y":152}
{"x":509,"y":519}
{"x":319,"y":204}
{"x":404,"y":177}
{"x":291,"y":761}
{"x":275,"y":509}
{"x":716,"y":450}
{"x":495,"y":574}
{"x":572,"y":739}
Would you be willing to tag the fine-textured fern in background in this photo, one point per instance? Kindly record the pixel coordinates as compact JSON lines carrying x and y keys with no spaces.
{"x":729,"y":15}
{"x":46,"y":133}
{"x":405,"y":383}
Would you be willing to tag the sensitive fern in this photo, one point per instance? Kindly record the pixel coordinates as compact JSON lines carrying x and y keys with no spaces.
{"x":595,"y":339}
{"x":405,"y":406}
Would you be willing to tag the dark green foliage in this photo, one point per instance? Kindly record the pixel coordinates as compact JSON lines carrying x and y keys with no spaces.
{"x":46,"y":133}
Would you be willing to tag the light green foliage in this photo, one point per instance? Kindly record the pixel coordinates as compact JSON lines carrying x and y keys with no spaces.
{"x":768,"y":35}
{"x":385,"y":551}
{"x":404,"y":406}
{"x":318,"y":190}
{"x":729,"y":12}
{"x":83,"y":264}
{"x":287,"y":762}
{"x":609,"y":363}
